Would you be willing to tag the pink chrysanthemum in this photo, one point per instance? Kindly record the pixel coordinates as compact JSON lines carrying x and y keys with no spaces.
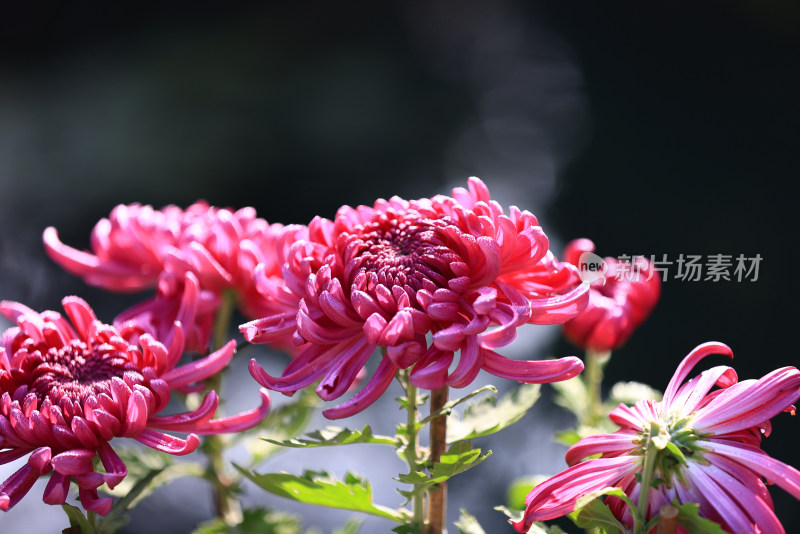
{"x":458,"y":268}
{"x":137,"y":246}
{"x":706,"y":446}
{"x":68,"y":388}
{"x":617,"y":305}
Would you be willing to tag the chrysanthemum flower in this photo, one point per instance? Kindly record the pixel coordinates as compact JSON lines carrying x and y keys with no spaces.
{"x":68,"y":388}
{"x":456,"y":268}
{"x":136,"y":245}
{"x":704,"y":448}
{"x":617,"y":305}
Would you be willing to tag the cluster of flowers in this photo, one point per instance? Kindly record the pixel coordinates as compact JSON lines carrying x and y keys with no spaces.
{"x":436,"y":284}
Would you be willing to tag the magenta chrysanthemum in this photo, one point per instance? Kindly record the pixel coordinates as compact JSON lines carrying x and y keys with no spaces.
{"x":137,"y":247}
{"x":617,"y":305}
{"x":456,"y":268}
{"x":707,"y":448}
{"x":68,"y":388}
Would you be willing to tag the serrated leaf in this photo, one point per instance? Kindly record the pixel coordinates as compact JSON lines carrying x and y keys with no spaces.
{"x":458,"y":458}
{"x":689,"y":518}
{"x":490,"y":415}
{"x":321,"y":489}
{"x":333,"y":436}
{"x":467,"y":524}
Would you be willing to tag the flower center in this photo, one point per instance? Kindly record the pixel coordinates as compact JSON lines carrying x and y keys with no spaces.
{"x":672,"y":441}
{"x":401,"y":251}
{"x":77,"y":372}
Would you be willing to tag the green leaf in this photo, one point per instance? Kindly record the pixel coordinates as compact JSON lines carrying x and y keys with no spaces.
{"x":321,"y":489}
{"x":407,"y":529}
{"x":467,"y":524}
{"x":254,"y":521}
{"x":490,"y":415}
{"x":333,"y":436}
{"x":458,"y":458}
{"x":77,"y":520}
{"x":689,"y":518}
{"x":590,"y":511}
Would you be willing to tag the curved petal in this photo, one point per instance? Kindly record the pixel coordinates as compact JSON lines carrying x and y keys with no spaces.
{"x":688,"y":363}
{"x":533,"y":372}
{"x":383,"y":376}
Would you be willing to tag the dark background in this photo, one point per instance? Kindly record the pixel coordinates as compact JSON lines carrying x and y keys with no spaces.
{"x":667,"y":129}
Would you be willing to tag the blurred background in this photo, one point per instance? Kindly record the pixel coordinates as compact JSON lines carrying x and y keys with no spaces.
{"x":653,"y":130}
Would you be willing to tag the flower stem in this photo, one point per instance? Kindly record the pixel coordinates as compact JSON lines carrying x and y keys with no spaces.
{"x":595,"y":361}
{"x":648,"y":476}
{"x":411,"y":452}
{"x":228,"y":507}
{"x":437,"y":498}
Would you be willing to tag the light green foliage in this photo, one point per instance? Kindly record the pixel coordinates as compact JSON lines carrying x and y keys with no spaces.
{"x":489,"y":414}
{"x":333,"y":436}
{"x":467,"y":524}
{"x":458,"y":458}
{"x":321,"y":489}
{"x":591,"y":512}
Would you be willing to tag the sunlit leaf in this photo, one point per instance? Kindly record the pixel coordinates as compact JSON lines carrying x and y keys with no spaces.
{"x":333,"y":436}
{"x":321,"y":489}
{"x":467,"y":524}
{"x":689,"y":518}
{"x":590,"y":511}
{"x":489,"y":415}
{"x":458,"y":458}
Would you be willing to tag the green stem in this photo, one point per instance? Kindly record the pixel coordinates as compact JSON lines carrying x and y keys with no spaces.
{"x":595,"y":361}
{"x":411,"y":452}
{"x":228,"y":507}
{"x":648,"y":475}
